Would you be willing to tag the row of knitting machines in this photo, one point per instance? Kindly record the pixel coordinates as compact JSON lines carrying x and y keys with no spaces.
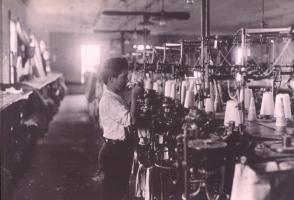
{"x":192,"y":121}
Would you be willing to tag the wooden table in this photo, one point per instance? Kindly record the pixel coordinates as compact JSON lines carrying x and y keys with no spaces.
{"x":267,"y":134}
{"x":7,"y":99}
{"x":39,"y":83}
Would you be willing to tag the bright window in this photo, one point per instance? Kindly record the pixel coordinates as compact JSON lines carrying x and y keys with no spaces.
{"x":90,"y":59}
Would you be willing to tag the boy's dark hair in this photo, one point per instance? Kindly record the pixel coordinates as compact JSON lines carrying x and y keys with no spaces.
{"x":113,"y":67}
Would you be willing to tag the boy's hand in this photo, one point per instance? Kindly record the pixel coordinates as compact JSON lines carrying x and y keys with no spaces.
{"x":137,"y":90}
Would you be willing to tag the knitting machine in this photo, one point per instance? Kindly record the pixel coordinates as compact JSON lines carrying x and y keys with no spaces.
{"x":200,"y":153}
{"x":160,"y":143}
{"x":159,"y":122}
{"x":179,"y":137}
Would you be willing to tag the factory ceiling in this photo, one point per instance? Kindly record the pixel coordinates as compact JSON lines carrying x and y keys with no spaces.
{"x":226,"y":16}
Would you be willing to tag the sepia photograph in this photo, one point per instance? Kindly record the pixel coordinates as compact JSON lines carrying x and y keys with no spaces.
{"x":147,"y":99}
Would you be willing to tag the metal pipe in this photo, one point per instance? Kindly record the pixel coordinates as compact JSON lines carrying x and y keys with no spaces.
{"x":185,"y":163}
{"x":207,"y":34}
{"x":207,"y":12}
{"x":243,"y":83}
{"x":203,"y":18}
{"x":144,"y":52}
{"x":122,"y":43}
{"x":205,"y":31}
{"x":203,"y":38}
{"x":243,"y":46}
{"x":9,"y":49}
{"x":182,"y":54}
{"x":268,"y":30}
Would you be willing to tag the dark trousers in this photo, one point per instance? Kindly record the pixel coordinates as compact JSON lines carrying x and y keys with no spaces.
{"x":116,"y":163}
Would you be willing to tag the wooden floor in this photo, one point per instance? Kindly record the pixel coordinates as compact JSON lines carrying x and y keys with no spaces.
{"x":66,"y":161}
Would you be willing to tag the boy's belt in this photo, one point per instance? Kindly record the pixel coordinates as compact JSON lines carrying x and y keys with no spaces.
{"x":114,"y":141}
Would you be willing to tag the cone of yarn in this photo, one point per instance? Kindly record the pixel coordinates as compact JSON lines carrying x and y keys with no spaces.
{"x":267,"y":104}
{"x":217,"y":104}
{"x":212,"y":90}
{"x":148,"y":84}
{"x":209,"y":105}
{"x":184,"y":87}
{"x":286,"y":103}
{"x":280,"y":114}
{"x":19,"y":67}
{"x":232,"y":113}
{"x":156,"y":86}
{"x":189,"y":99}
{"x":134,"y":77}
{"x":13,"y":37}
{"x":217,"y":100}
{"x":247,"y":97}
{"x":167,"y":88}
{"x":173,"y":90}
{"x":194,"y":88}
{"x":160,"y":87}
{"x":252,"y":110}
{"x":287,"y":106}
{"x":183,"y":93}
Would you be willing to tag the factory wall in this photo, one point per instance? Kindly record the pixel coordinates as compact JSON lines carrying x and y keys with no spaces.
{"x":65,"y":50}
{"x":1,"y":42}
{"x":22,"y":12}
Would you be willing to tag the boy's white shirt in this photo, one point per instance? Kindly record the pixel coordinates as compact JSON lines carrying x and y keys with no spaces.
{"x":114,"y":114}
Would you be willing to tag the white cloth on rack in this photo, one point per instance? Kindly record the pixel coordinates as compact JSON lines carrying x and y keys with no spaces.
{"x":144,"y":182}
{"x":140,"y":182}
{"x":13,"y":37}
{"x":148,"y":191}
{"x":247,"y":185}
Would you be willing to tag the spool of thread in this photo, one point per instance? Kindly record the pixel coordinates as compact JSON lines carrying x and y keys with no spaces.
{"x":252,"y":110}
{"x":232,"y":113}
{"x":19,"y":67}
{"x":141,"y":141}
{"x":271,"y":166}
{"x":13,"y":37}
{"x":160,"y":139}
{"x":247,"y":98}
{"x":267,"y":104}
{"x":183,"y":93}
{"x":165,"y":154}
{"x":160,"y":87}
{"x":189,"y":99}
{"x":156,"y":87}
{"x":194,"y":88}
{"x":167,"y":88}
{"x":287,"y":106}
{"x":148,"y":84}
{"x":287,"y":141}
{"x":184,"y":87}
{"x":173,"y":91}
{"x":291,"y":84}
{"x":209,"y":105}
{"x":280,"y":114}
{"x":286,"y":103}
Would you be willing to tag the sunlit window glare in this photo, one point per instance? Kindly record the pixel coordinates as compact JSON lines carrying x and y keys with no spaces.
{"x":90,"y":58}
